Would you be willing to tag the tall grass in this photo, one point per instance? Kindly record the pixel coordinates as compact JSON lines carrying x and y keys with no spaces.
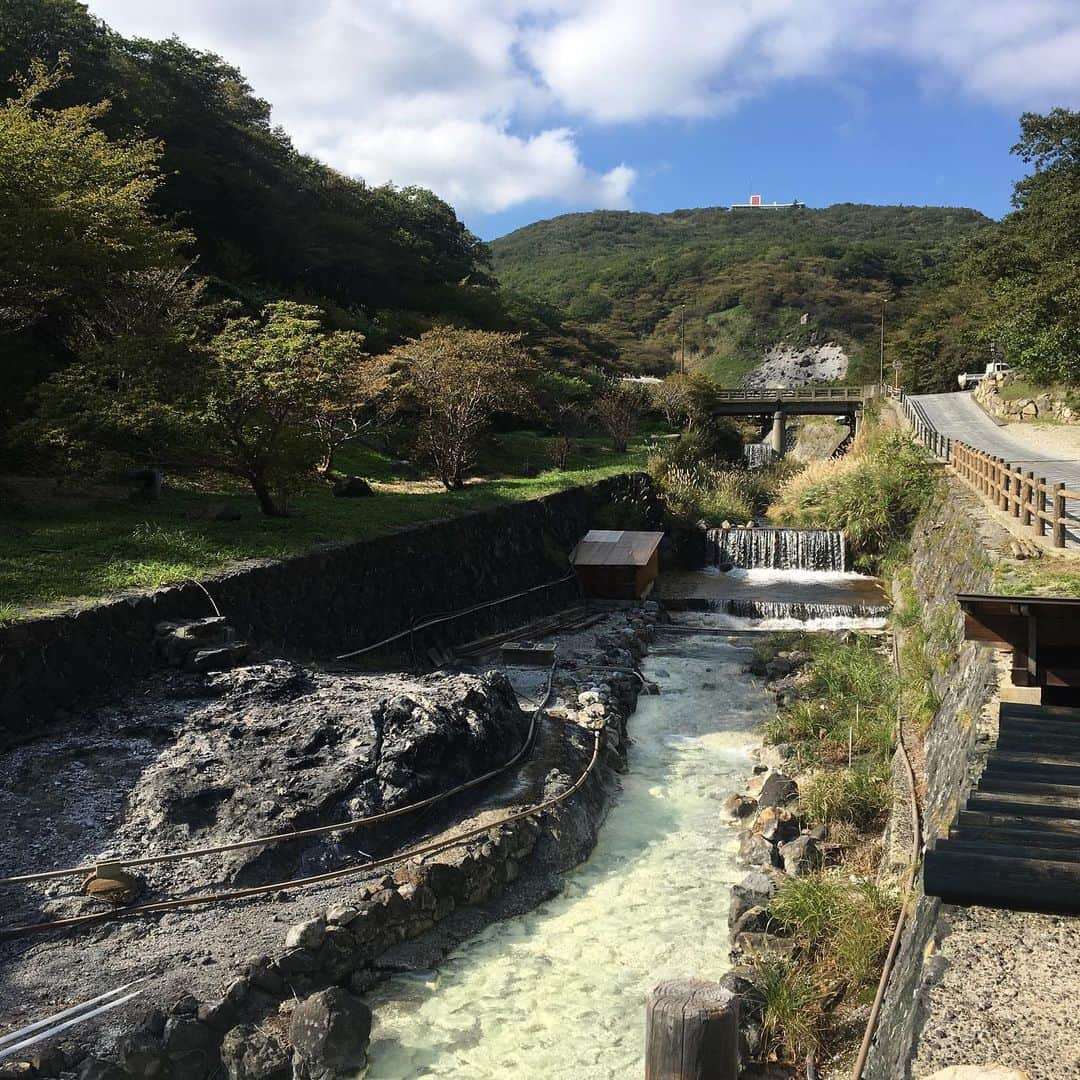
{"x":873,"y":493}
{"x":858,"y":794}
{"x":788,"y":997}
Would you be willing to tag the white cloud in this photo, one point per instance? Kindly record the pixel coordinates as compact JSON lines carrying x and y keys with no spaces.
{"x":479,"y":99}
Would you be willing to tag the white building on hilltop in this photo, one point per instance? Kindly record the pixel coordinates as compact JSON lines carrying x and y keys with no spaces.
{"x":755,"y":203}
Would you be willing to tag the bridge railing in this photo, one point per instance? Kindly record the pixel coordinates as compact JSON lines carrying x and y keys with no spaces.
{"x":802,"y":393}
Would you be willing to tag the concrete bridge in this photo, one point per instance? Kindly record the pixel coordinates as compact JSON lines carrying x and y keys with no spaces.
{"x":780,"y":403}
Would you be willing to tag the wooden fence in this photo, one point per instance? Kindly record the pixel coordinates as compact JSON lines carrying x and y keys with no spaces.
{"x":1035,"y":503}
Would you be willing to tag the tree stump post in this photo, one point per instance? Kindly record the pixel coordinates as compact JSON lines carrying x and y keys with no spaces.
{"x":691,"y":1032}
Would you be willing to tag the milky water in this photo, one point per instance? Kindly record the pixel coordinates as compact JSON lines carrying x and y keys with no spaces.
{"x":560,"y":992}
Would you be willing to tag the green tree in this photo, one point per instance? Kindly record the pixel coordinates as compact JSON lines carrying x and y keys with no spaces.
{"x":77,"y":224}
{"x":1035,"y":260}
{"x":458,"y":380}
{"x":268,"y":381}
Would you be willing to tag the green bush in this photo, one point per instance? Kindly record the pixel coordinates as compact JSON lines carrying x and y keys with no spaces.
{"x":788,"y":997}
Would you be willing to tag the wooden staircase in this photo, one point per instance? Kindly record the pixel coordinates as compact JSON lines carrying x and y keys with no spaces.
{"x":1016,"y":843}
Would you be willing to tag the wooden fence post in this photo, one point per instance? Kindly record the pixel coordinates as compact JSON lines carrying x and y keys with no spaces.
{"x":1029,"y":491}
{"x":1003,"y":484}
{"x":1040,"y":507}
{"x":1015,"y":493}
{"x":691,"y":1032}
{"x":1059,"y":515}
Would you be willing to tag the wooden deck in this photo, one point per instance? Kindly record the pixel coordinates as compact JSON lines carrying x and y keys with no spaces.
{"x":1016,"y":842}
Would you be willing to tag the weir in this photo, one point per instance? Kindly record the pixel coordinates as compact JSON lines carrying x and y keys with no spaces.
{"x":758,"y":455}
{"x":778,"y":549}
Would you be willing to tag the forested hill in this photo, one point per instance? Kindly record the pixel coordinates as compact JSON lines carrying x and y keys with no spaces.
{"x":256,"y":219}
{"x":746,"y":277}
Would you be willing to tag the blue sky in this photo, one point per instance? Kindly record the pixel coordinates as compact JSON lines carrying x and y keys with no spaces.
{"x":516,"y":110}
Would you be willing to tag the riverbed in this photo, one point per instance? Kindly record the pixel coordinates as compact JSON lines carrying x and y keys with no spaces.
{"x":560,"y":991}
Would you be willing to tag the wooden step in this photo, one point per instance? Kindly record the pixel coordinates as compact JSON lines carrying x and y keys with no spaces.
{"x":985,"y":819}
{"x":1066,"y":746}
{"x":1003,"y":834}
{"x":965,"y":877}
{"x":1040,"y":771}
{"x":1017,"y":850}
{"x":1026,"y":805}
{"x":1026,"y":785}
{"x":1026,"y":710}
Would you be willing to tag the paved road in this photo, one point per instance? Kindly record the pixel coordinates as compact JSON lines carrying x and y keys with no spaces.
{"x":959,"y":417}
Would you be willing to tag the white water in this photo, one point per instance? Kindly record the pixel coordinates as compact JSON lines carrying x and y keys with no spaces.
{"x":559,"y":993}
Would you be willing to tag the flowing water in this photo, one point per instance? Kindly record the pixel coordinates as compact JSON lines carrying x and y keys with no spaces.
{"x":559,"y":993}
{"x":779,"y":549}
{"x":757,"y":455}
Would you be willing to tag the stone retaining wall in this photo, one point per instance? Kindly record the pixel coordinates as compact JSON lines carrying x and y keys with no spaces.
{"x":326,"y":601}
{"x":952,"y":551}
{"x":1046,"y":405}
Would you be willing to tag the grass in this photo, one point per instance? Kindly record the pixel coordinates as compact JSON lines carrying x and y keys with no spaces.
{"x":54,"y":554}
{"x":1041,"y":577}
{"x":788,"y":998}
{"x":841,"y":674}
{"x":858,"y":795}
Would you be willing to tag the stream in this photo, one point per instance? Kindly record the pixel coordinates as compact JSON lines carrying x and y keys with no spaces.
{"x":560,"y":991}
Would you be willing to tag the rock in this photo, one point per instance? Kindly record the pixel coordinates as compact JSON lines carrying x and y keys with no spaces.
{"x":755,"y":890}
{"x":353,"y":487}
{"x":341,"y":914}
{"x":760,"y":946}
{"x":800,"y":856}
{"x":217,"y":511}
{"x":776,"y":826}
{"x":144,"y":1058}
{"x":217,"y":1015}
{"x":739,"y":806}
{"x":294,"y":749}
{"x":979,"y":1072}
{"x":92,"y":1068}
{"x":753,"y":920}
{"x":113,"y":887}
{"x":819,"y":832}
{"x":48,"y":1061}
{"x":16,"y":1070}
{"x":186,"y":1006}
{"x":778,"y":790}
{"x":250,"y":1053}
{"x":330,"y":1032}
{"x":306,"y":935}
{"x":755,"y":850}
{"x":217,"y":659}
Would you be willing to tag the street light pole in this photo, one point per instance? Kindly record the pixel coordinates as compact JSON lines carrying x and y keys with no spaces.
{"x":881,"y":376}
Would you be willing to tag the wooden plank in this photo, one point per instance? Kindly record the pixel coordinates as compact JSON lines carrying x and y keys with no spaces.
{"x":999,"y":881}
{"x":1022,"y":849}
{"x":993,"y":820}
{"x":1024,"y":785}
{"x":1025,"y":805}
{"x":1037,"y":771}
{"x":1026,"y":710}
{"x":1041,"y":838}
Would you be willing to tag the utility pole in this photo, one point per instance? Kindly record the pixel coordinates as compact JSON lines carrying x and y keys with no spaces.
{"x":682,"y":338}
{"x":881,"y":377}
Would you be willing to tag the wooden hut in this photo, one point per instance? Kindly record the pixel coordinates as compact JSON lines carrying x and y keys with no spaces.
{"x":617,"y":564}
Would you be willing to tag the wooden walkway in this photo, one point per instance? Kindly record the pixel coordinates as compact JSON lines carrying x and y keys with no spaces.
{"x":1016,"y":842}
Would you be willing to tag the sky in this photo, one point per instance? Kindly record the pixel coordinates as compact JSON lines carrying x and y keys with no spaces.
{"x":517,"y":110}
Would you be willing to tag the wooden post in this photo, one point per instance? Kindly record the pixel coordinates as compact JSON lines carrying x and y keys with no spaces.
{"x":691,"y":1032}
{"x":1029,"y":491}
{"x":1003,"y":485}
{"x":1059,"y":515}
{"x":1040,"y":507}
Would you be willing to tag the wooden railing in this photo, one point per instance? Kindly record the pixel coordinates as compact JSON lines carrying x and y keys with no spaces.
{"x":1030,"y":499}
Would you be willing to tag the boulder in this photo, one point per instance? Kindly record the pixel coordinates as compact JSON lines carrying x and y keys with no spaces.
{"x":776,"y":826}
{"x":92,"y":1068}
{"x":754,"y":920}
{"x":330,"y":1032}
{"x":755,"y":850}
{"x":250,"y":1053}
{"x":800,"y":856}
{"x":755,"y":890}
{"x":306,"y":935}
{"x":778,"y":790}
{"x":739,"y":806}
{"x":353,"y":487}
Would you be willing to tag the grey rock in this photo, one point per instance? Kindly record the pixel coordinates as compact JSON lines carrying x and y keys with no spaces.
{"x":330,"y":1032}
{"x":739,"y":806}
{"x":250,"y":1053}
{"x":755,"y":890}
{"x":48,"y":1061}
{"x":219,"y":658}
{"x":753,"y":920}
{"x":93,"y":1068}
{"x":777,"y":790}
{"x":800,"y":856}
{"x":306,"y":935}
{"x":144,"y":1058}
{"x":755,"y":850}
{"x":341,"y":914}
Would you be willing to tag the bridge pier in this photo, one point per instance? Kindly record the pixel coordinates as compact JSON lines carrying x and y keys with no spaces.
{"x":777,"y":439}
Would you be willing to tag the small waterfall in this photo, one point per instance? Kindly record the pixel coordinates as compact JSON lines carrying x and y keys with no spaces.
{"x":779,"y":549}
{"x":757,"y":455}
{"x":769,"y":609}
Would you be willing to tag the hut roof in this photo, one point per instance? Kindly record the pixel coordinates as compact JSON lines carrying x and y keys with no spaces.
{"x":616,"y":547}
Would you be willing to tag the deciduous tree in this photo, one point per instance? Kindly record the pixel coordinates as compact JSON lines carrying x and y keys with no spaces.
{"x":458,"y":379}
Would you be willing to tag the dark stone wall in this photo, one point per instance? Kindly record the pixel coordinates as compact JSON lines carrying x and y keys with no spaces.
{"x":952,"y":551}
{"x":328,"y":601}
